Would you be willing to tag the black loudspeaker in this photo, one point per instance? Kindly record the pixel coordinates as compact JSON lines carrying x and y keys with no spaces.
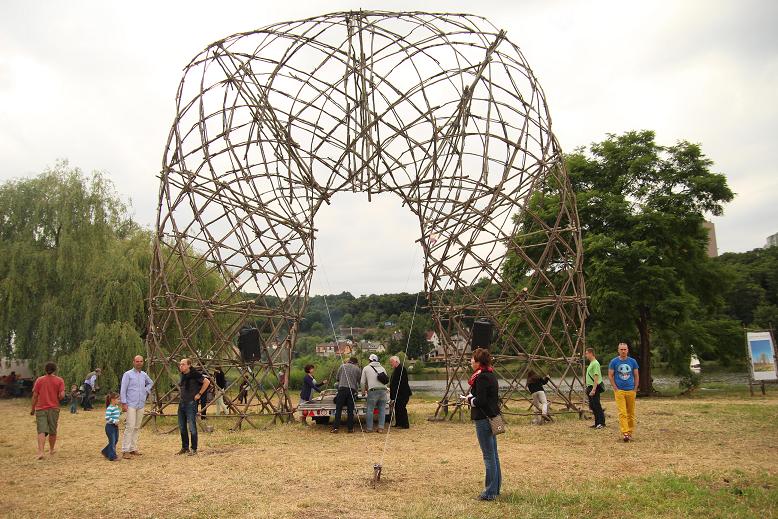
{"x":248,"y":344}
{"x":482,"y":334}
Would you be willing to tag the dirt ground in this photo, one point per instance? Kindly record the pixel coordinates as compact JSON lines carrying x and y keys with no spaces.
{"x":431,"y":470}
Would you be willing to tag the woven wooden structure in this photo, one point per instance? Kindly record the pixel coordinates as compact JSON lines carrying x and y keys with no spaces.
{"x":441,"y":110}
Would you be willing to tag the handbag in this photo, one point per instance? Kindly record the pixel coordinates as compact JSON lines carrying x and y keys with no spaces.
{"x":497,"y":423}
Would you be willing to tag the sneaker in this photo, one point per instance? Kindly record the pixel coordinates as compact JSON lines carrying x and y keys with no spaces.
{"x":599,"y":426}
{"x":192,"y":453}
{"x":182,"y":451}
{"x":626,"y":438}
{"x":334,"y":430}
{"x":379,"y":430}
{"x":486,"y":497}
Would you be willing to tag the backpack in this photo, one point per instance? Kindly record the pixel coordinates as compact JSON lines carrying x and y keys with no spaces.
{"x":382,"y":376}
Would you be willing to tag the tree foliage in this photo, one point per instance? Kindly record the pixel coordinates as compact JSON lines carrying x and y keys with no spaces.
{"x":71,"y":259}
{"x":752,"y":297}
{"x":641,"y":208}
{"x":364,"y":312}
{"x":75,"y":274}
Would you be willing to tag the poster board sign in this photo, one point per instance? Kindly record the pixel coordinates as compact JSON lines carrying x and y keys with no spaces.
{"x":761,"y":352}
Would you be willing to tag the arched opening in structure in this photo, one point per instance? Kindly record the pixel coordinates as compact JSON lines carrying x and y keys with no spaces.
{"x":367,"y":247}
{"x":439,"y":110}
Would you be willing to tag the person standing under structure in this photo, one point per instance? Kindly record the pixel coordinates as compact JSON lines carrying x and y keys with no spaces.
{"x":399,"y":392}
{"x":594,"y":387}
{"x":347,"y":378}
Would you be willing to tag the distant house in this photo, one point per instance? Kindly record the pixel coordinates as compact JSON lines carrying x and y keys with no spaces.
{"x":455,"y":346}
{"x":329,"y":349}
{"x":371,"y":347}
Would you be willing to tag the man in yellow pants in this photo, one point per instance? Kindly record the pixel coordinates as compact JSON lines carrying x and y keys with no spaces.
{"x":625,"y":377}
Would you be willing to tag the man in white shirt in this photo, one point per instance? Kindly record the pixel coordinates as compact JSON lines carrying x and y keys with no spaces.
{"x":90,"y":385}
{"x":377,"y":392}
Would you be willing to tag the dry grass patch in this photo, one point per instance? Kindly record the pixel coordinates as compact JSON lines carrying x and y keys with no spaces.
{"x":687,"y":450}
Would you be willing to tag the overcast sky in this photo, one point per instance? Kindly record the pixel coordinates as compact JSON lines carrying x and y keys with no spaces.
{"x":95,"y":83}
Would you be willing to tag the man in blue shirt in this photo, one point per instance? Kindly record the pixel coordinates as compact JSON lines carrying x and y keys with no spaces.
{"x":135,"y":387}
{"x":625,"y":377}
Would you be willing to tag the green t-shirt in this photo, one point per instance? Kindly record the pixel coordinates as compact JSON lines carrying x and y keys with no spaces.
{"x":591,"y":371}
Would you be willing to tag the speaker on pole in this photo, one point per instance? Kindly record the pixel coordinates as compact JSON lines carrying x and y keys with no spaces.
{"x":248,"y":344}
{"x":482,"y":334}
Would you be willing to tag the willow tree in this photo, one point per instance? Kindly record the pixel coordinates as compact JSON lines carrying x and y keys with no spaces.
{"x":70,"y":259}
{"x":74,"y":270}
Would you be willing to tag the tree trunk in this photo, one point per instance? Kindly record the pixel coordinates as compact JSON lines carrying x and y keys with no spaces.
{"x":646,"y":386}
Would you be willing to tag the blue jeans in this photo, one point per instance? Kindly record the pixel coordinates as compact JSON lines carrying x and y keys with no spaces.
{"x":112,"y":431}
{"x":376,"y":398}
{"x":73,"y":405}
{"x":488,"y":443}
{"x":187,"y":414}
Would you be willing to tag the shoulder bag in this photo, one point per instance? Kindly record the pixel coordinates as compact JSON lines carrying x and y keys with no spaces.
{"x":381,"y":376}
{"x":497,"y":423}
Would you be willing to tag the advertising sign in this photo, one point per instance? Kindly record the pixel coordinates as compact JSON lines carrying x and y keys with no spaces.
{"x":761,"y":351}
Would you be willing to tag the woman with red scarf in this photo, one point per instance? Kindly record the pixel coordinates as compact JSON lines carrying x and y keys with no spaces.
{"x":484,"y":404}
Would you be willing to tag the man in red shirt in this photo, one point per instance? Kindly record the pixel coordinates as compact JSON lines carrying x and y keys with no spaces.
{"x":47,"y":392}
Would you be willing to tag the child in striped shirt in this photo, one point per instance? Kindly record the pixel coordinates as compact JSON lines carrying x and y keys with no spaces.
{"x":112,"y":413}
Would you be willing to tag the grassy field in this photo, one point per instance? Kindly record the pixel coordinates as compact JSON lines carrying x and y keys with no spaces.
{"x":703,"y":456}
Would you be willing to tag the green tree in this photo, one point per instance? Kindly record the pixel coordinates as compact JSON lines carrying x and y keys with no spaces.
{"x":74,"y":271}
{"x":347,"y":320}
{"x":319,"y":330}
{"x":641,"y":208}
{"x":752,"y":297}
{"x":307,"y":345}
{"x":417,"y":344}
{"x":70,"y":258}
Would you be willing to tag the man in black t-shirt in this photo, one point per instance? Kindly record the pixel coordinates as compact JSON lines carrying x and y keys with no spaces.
{"x":191,"y":387}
